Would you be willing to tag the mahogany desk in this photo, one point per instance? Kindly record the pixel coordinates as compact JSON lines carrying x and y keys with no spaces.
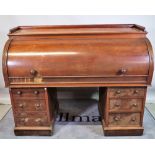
{"x":116,"y":58}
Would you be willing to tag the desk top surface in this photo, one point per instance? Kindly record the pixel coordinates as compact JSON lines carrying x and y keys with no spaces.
{"x":77,"y":29}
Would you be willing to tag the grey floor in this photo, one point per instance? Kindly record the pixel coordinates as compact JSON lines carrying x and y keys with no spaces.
{"x":75,"y":129}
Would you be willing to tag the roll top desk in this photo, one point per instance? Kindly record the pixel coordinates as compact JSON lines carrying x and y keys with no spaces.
{"x":118,"y":59}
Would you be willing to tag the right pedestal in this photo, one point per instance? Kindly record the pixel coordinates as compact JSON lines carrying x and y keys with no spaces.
{"x":122,"y":110}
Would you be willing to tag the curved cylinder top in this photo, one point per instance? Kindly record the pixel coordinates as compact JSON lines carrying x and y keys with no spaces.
{"x":96,"y":55}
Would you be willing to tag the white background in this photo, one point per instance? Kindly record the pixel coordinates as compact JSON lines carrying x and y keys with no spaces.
{"x":7,"y":22}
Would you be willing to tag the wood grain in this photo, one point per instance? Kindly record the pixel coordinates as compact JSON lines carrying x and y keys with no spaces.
{"x":117,"y":58}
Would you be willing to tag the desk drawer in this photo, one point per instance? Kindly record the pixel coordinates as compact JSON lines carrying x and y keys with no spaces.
{"x":126,"y":92}
{"x":31,"y":119}
{"x":29,"y":105}
{"x":126,"y":104}
{"x":28,"y":93}
{"x":124,"y":119}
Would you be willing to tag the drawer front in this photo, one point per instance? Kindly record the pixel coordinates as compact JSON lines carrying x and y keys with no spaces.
{"x":29,"y":114}
{"x":27,"y":93}
{"x":124,"y":119}
{"x":125,"y":104}
{"x":29,"y":105}
{"x":126,"y":92}
{"x":31,"y":119}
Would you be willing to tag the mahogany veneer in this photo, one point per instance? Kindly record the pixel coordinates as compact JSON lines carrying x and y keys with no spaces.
{"x":116,"y":58}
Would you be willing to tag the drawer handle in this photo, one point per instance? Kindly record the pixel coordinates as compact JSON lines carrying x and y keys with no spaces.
{"x":133,"y":119}
{"x":117,"y":105}
{"x":24,"y":120}
{"x":136,"y":91}
{"x":134,"y":104}
{"x":36,"y":92}
{"x":33,"y":72}
{"x":123,"y":71}
{"x":19,"y":92}
{"x":116,"y":118}
{"x":118,"y":92}
{"x":21,"y":105}
{"x":37,"y":105}
{"x":22,"y":114}
{"x":38,"y":120}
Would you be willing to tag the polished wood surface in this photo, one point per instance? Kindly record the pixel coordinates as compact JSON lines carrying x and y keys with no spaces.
{"x":134,"y":104}
{"x":34,"y":108}
{"x":77,"y":58}
{"x":121,"y":109}
{"x":117,"y":58}
{"x":70,"y":59}
{"x":126,"y":120}
{"x":77,"y":29}
{"x":81,"y":64}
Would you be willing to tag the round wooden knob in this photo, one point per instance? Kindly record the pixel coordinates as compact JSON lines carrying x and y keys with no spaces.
{"x":36,"y":92}
{"x":24,"y":120}
{"x":133,"y":119}
{"x":33,"y":72}
{"x":21,"y":105}
{"x":38,"y":120}
{"x":118,"y":92}
{"x":37,"y":105}
{"x":22,"y":114}
{"x":19,"y":92}
{"x":134,"y":104}
{"x":136,"y":92}
{"x":123,"y":71}
{"x":116,"y":118}
{"x":117,"y":105}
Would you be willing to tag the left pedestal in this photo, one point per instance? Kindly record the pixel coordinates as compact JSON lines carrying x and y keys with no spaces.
{"x":34,"y":110}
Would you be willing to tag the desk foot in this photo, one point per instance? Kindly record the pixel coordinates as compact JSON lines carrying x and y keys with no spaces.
{"x":122,"y":131}
{"x":33,"y":131}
